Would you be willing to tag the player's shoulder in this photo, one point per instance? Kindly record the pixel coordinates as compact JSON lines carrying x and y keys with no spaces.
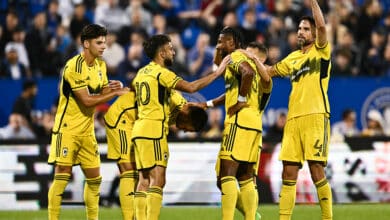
{"x":75,"y":63}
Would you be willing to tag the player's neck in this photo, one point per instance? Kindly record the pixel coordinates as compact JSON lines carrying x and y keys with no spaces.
{"x":159,"y":62}
{"x":89,"y":58}
{"x":306,"y":48}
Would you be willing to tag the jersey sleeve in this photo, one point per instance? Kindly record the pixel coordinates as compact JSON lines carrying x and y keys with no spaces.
{"x":168,"y":79}
{"x":324,"y":51}
{"x":237,"y":58}
{"x":283,"y":67}
{"x":73,"y":77}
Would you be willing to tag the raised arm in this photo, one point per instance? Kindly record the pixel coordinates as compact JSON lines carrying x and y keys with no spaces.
{"x":320,"y":23}
{"x":196,"y":85}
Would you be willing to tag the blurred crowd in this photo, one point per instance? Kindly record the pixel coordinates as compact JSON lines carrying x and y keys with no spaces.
{"x":38,"y":36}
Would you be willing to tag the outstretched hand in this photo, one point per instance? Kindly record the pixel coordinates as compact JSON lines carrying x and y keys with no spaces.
{"x":236,"y":108}
{"x":222,"y":66}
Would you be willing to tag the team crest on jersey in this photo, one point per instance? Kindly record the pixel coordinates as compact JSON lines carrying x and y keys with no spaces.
{"x":166,"y":156}
{"x":65,"y":152}
{"x":100,"y":74}
{"x":378,"y":101}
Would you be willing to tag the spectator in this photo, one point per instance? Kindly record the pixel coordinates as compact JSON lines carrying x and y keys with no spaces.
{"x":129,"y":66}
{"x":374,"y":124}
{"x":16,"y":129}
{"x":25,"y":102}
{"x":111,"y":15}
{"x":347,"y":126}
{"x":342,"y":63}
{"x":200,"y":57}
{"x":159,"y":24}
{"x":18,"y":39}
{"x":10,"y":66}
{"x":11,"y":22}
{"x":78,"y":20}
{"x":44,"y":61}
{"x":53,"y":17}
{"x":372,"y":59}
{"x":139,"y":16}
{"x":275,"y":132}
{"x":114,"y":53}
{"x":347,"y":43}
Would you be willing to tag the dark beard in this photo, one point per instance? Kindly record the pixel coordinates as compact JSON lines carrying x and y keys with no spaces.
{"x":168,"y":62}
{"x":303,"y":43}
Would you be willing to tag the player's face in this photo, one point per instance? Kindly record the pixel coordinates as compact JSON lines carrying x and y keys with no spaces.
{"x":168,"y":54}
{"x":96,"y":46}
{"x":224,"y":44}
{"x":305,"y":34}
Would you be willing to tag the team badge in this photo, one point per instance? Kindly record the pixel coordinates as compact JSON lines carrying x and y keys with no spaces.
{"x":65,"y":152}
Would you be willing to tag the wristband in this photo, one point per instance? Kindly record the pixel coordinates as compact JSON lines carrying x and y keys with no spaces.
{"x":209,"y":104}
{"x":241,"y":98}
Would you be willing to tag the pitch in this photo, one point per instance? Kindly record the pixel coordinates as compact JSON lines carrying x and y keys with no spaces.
{"x":268,"y":212}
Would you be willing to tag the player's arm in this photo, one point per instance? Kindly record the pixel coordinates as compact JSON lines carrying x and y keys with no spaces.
{"x":89,"y":100}
{"x":265,"y":79}
{"x":220,"y":100}
{"x":320,"y":23}
{"x":247,"y":74}
{"x":196,"y":85}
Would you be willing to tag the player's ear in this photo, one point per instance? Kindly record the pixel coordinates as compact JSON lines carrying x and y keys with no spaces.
{"x":86,"y":44}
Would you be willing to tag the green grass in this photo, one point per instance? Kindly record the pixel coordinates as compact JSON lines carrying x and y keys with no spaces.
{"x":268,"y":212}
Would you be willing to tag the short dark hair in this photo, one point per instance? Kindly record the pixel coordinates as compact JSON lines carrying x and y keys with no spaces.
{"x":309,"y":19}
{"x":198,"y":117}
{"x":261,"y":47}
{"x":92,"y":31}
{"x":154,"y":43}
{"x":235,"y":34}
{"x":28,"y":84}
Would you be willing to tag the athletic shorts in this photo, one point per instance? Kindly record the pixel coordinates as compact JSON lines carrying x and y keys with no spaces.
{"x":306,"y":138}
{"x":255,"y":165}
{"x":119,"y":145}
{"x":69,"y":150}
{"x":151,"y":152}
{"x":240,"y":144}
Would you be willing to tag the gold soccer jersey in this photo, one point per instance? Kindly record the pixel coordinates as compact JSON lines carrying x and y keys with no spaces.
{"x":122,"y":113}
{"x":309,"y":74}
{"x":72,"y":117}
{"x":248,"y":117}
{"x":153,"y":85}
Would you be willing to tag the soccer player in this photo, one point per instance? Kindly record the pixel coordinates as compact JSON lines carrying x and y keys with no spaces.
{"x":153,"y":84}
{"x":242,"y":132}
{"x":84,"y":85}
{"x":258,"y":53}
{"x":120,"y":119}
{"x":307,"y":130}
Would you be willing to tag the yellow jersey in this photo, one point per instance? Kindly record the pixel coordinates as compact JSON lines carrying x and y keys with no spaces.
{"x":122,"y":113}
{"x":153,"y":84}
{"x":248,"y":117}
{"x":309,"y":75}
{"x":72,"y":117}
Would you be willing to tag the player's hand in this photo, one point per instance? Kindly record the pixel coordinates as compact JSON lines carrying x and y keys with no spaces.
{"x":115,"y":84}
{"x":222,"y":66}
{"x":236,"y":108}
{"x":122,"y":91}
{"x":198,"y":104}
{"x":247,"y":54}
